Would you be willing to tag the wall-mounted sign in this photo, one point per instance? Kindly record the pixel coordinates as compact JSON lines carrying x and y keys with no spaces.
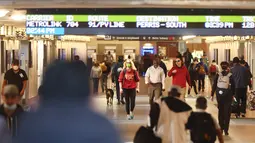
{"x":59,"y":24}
{"x":139,"y":38}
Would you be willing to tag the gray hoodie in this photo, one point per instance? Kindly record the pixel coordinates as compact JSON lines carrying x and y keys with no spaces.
{"x":64,"y":115}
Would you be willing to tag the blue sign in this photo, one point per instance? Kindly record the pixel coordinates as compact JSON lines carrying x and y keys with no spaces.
{"x":45,"y":31}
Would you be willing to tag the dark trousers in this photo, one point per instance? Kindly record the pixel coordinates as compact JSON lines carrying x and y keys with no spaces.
{"x":224,"y":105}
{"x":95,"y":85}
{"x":194,"y":86}
{"x":104,"y":82}
{"x":187,"y":64}
{"x":120,"y":97}
{"x":201,"y":84}
{"x":241,"y":97}
{"x":130,"y":95}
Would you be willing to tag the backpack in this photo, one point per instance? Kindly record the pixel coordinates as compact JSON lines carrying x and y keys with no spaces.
{"x":135,"y":75}
{"x":213,"y":69}
{"x":146,"y":135}
{"x":103,"y":67}
{"x":223,"y":81}
{"x":202,"y":127}
{"x":201,"y":70}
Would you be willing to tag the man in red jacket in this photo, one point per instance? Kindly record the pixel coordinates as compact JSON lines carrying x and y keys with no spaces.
{"x":180,"y":76}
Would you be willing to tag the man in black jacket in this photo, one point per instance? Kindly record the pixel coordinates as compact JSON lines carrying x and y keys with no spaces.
{"x":224,"y":87}
{"x":10,"y":109}
{"x":241,"y":79}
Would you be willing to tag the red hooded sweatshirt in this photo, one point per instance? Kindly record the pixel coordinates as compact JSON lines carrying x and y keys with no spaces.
{"x":180,"y":77}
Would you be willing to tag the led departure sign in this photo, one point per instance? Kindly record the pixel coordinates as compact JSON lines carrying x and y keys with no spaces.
{"x":52,"y":24}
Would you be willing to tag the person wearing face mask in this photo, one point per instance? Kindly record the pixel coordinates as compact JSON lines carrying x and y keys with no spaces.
{"x":129,"y":85}
{"x":180,"y":76}
{"x":10,"y":109}
{"x":16,"y":76}
{"x":155,"y":79}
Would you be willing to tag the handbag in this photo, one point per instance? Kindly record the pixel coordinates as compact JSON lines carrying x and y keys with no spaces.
{"x":146,"y":135}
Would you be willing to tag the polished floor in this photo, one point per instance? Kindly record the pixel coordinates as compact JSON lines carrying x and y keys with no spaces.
{"x":242,"y":130}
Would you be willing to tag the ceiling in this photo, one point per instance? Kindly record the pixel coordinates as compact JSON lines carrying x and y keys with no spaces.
{"x":229,"y":4}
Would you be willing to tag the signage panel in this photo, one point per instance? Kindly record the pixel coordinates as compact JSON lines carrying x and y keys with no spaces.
{"x":56,"y":24}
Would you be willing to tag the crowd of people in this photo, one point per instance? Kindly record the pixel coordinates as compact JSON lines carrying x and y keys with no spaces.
{"x":59,"y":118}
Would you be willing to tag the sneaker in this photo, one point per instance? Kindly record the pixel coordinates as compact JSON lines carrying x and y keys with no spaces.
{"x":129,"y":117}
{"x":243,"y":115}
{"x":226,"y":133}
{"x":123,"y":102}
{"x":118,"y":103}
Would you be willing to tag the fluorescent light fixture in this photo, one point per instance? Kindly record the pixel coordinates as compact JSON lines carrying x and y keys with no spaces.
{"x":101,"y":36}
{"x":3,"y":12}
{"x":188,"y":37}
{"x":18,"y":17}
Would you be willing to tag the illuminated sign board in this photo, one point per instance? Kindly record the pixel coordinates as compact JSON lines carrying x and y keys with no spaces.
{"x":57,"y":24}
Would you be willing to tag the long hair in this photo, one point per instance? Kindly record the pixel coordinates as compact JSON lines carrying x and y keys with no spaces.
{"x":132,"y":64}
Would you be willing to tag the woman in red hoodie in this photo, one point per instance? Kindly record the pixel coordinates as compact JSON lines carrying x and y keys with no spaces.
{"x":180,"y":76}
{"x":129,"y":85}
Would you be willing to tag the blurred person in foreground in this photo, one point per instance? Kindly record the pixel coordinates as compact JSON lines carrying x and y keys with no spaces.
{"x":169,"y":116}
{"x":5,"y":136}
{"x":65,"y":114}
{"x":11,"y":110}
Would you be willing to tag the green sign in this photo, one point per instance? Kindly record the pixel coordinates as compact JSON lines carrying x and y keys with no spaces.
{"x":140,"y":18}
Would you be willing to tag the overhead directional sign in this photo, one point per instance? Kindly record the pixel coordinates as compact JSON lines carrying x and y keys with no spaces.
{"x":57,"y":24}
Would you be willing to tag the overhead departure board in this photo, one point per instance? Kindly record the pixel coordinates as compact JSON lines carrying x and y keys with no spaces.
{"x":57,"y":24}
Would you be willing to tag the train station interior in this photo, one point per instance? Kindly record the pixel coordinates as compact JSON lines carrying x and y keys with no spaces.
{"x":36,"y":52}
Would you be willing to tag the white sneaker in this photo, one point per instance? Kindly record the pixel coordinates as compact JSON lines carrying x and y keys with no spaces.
{"x":129,"y":117}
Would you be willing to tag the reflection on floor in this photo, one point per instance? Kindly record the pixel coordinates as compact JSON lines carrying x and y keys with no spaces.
{"x":241,"y":130}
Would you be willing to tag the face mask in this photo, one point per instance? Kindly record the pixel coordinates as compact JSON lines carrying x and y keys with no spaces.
{"x":128,"y":65}
{"x":10,"y":107}
{"x":15,"y":68}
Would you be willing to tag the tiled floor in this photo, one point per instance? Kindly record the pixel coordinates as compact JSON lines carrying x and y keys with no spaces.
{"x":241,"y":130}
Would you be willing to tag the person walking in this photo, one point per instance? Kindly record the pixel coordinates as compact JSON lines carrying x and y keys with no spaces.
{"x":213,"y":71}
{"x":203,"y":127}
{"x":193,"y":71}
{"x":129,"y":85}
{"x":65,"y":114}
{"x":203,"y":70}
{"x":17,"y":77}
{"x":224,"y":87}
{"x":161,"y":64}
{"x":180,"y":76}
{"x":241,"y":80}
{"x":187,"y":58}
{"x":96,"y":73}
{"x":106,"y":69}
{"x":155,"y":79}
{"x":11,"y":110}
{"x":169,"y":116}
{"x":116,"y":70}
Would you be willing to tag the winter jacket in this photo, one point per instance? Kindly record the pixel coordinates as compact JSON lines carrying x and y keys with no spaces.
{"x":193,"y":72}
{"x":180,"y":77}
{"x":240,"y":76}
{"x":13,"y":122}
{"x":169,"y":116}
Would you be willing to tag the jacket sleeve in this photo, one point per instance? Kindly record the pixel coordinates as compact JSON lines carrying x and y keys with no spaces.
{"x":170,"y":72}
{"x":121,"y":77}
{"x":206,"y":69}
{"x":154,"y":114}
{"x":232,"y":85}
{"x":214,"y":86}
{"x":164,"y":68}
